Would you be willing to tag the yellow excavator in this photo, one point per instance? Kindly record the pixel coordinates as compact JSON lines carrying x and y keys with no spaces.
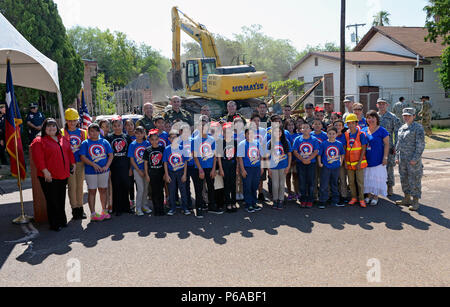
{"x":206,"y":78}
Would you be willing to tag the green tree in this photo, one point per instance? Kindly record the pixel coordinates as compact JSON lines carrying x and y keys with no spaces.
{"x":279,"y":88}
{"x":39,"y":22}
{"x":275,"y":56}
{"x":327,"y":47}
{"x":438,"y":25}
{"x":438,"y":21}
{"x":444,"y":69}
{"x":119,"y":58}
{"x":103,"y":96}
{"x":381,"y":18}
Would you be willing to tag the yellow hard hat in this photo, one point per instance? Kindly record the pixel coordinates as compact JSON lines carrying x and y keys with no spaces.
{"x":351,"y":118}
{"x":72,"y":114}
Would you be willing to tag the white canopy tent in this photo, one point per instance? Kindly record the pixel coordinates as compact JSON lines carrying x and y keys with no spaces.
{"x":29,"y":67}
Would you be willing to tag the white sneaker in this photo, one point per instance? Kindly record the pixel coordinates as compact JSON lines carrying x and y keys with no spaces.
{"x":373,"y":202}
{"x":368,"y":200}
{"x":147,"y":210}
{"x":139,"y":213}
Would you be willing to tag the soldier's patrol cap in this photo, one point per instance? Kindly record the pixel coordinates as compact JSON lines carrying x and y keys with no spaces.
{"x":168,"y":108}
{"x":349,"y":99}
{"x":409,"y":111}
{"x":33,"y":105}
{"x":309,"y":105}
{"x":381,"y":100}
{"x":327,"y":100}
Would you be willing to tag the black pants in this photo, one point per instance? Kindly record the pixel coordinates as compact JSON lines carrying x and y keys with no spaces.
{"x":157,"y":183}
{"x":191,"y":170}
{"x":3,"y":159}
{"x":55,"y":195}
{"x":198,"y":185}
{"x":131,"y":187}
{"x":119,"y":182}
{"x":229,"y":182}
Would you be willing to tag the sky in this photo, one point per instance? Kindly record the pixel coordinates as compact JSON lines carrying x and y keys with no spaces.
{"x":303,"y":22}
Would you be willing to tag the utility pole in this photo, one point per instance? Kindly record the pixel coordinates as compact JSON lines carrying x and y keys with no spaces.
{"x":356,"y":30}
{"x":342,"y":79}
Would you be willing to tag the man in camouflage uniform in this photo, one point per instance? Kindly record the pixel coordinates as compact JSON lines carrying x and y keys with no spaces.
{"x":409,"y":150}
{"x":426,"y":113}
{"x":391,"y":123}
{"x":232,"y":108}
{"x":348,"y":101}
{"x":328,"y":106}
{"x":177,"y":112}
{"x":147,"y":121}
{"x":398,"y":108}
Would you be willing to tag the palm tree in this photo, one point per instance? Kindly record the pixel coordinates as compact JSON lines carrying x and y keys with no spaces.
{"x":381,"y":19}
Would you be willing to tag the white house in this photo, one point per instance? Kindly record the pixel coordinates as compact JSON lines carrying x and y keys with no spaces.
{"x":388,"y":62}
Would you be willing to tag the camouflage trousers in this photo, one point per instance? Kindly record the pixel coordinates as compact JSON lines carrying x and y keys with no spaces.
{"x":426,"y":123}
{"x":390,"y":170}
{"x":411,"y":178}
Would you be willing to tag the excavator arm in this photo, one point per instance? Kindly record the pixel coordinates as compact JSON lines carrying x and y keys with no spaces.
{"x":196,"y":31}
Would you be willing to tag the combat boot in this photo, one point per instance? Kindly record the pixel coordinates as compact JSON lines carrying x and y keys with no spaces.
{"x":406,"y":201}
{"x":415,"y":204}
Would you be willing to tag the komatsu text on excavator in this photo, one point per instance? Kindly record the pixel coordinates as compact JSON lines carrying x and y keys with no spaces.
{"x":206,"y":77}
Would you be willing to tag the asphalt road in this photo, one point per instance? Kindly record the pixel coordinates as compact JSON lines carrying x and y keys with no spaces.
{"x":377,"y":246}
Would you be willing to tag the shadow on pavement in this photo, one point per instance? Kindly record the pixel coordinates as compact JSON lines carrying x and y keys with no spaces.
{"x":212,"y":227}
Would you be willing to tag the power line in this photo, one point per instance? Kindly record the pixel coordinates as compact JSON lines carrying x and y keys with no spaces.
{"x":356,"y":29}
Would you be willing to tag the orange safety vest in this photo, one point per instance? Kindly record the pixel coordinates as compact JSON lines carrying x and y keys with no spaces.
{"x":353,"y":153}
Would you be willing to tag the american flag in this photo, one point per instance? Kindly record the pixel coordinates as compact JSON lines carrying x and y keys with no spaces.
{"x":85,"y":118}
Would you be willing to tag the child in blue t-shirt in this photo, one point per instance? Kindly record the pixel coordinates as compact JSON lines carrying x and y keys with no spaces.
{"x":97,"y":155}
{"x":204,"y":153}
{"x":291,"y":134}
{"x":175,"y":173}
{"x":306,"y":148}
{"x":330,"y":159}
{"x":343,"y":185}
{"x":280,"y":155}
{"x":321,"y":136}
{"x":249,"y":159}
{"x":163,"y":135}
{"x":136,"y":154}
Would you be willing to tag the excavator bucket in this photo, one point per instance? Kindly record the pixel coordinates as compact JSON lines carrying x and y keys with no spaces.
{"x":175,"y":80}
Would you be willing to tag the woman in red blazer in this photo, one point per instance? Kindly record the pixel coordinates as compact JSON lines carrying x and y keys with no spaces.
{"x":55,"y":162}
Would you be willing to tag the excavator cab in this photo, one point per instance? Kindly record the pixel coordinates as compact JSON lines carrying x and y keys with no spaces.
{"x":197,"y":72}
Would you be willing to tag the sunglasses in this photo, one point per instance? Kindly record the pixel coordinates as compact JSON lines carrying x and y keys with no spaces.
{"x":357,"y":109}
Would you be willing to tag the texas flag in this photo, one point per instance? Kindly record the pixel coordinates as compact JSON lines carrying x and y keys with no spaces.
{"x":12,"y":128}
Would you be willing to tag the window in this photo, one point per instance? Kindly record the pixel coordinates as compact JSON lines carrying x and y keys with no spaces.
{"x":302,"y":79}
{"x":418,"y":74}
{"x":318,"y":92}
{"x":208,"y":68}
{"x":316,"y":61}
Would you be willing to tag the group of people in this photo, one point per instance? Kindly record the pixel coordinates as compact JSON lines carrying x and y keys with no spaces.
{"x":325,"y":158}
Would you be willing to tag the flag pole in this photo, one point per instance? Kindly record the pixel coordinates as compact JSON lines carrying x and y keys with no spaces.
{"x":22,"y":219}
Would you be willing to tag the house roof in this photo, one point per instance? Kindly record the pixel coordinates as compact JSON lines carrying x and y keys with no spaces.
{"x":360,"y":58}
{"x":411,"y":38}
